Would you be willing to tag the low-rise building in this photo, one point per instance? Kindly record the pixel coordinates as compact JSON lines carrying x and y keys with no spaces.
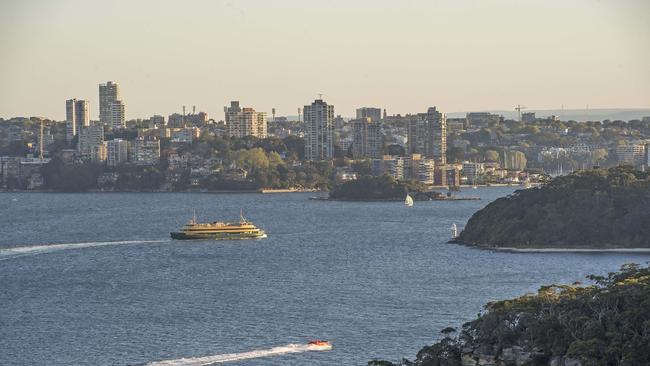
{"x":20,"y":172}
{"x":185,"y":135}
{"x":632,"y":154}
{"x":413,"y":167}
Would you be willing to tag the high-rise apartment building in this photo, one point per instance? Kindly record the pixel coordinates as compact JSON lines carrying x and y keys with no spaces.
{"x":89,"y":138}
{"x":242,"y":122}
{"x":99,"y":153}
{"x":108,"y":93}
{"x":367,"y":139}
{"x":233,"y":109}
{"x":369,"y":112}
{"x":77,"y":115}
{"x":117,"y":151}
{"x":427,"y":135}
{"x":319,"y":132}
{"x":117,"y":119}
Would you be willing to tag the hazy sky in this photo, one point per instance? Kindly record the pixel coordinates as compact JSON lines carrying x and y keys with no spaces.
{"x":401,"y":55}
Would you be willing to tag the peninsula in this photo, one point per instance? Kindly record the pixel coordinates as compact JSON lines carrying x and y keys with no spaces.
{"x":595,"y":209}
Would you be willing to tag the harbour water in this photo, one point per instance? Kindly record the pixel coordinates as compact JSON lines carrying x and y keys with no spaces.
{"x":92,"y":279}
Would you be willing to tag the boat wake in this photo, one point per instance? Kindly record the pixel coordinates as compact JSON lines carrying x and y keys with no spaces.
{"x":227,"y":357}
{"x":16,"y":252}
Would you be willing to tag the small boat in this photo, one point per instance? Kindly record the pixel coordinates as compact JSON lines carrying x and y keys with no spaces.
{"x":408,"y":201}
{"x":217,"y":230}
{"x":454,"y":231}
{"x":320,"y":344}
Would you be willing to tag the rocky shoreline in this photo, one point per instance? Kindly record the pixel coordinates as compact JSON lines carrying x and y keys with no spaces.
{"x":542,"y":249}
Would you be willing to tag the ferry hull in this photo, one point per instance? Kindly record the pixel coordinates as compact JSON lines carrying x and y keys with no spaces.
{"x":217,"y":236}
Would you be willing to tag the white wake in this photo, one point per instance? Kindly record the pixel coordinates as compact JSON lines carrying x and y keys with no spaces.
{"x":10,"y":253}
{"x":209,"y":360}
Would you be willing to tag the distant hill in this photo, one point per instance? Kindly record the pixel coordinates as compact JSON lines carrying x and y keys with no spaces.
{"x":597,"y":209}
{"x":580,"y":115}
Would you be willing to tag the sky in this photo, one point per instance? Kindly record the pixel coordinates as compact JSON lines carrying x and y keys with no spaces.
{"x":402,"y":55}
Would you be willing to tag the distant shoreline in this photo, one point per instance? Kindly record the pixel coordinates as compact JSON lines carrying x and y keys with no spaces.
{"x":259,"y":191}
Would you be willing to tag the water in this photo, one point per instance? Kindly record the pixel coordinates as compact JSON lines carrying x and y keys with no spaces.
{"x":92,"y":279}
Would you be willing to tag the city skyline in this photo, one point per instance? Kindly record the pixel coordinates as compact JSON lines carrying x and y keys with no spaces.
{"x":460,"y":56}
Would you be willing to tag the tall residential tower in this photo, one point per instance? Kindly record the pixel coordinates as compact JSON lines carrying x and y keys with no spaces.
{"x":427,"y":135}
{"x":319,"y":130}
{"x":111,"y":107}
{"x":77,"y":115}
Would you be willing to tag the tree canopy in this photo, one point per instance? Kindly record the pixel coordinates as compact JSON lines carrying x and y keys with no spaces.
{"x":593,"y":209}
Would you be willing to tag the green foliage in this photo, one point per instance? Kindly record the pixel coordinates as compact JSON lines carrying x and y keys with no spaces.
{"x":593,"y":209}
{"x":368,"y":188}
{"x":362,"y":167}
{"x":607,"y":323}
{"x":492,"y":155}
{"x":395,"y":149}
{"x":70,"y":178}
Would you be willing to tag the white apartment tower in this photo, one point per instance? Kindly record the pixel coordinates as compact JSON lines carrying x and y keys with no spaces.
{"x":319,"y":130}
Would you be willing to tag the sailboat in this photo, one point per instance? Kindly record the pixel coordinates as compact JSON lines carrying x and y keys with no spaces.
{"x":454,"y":231}
{"x":408,"y":201}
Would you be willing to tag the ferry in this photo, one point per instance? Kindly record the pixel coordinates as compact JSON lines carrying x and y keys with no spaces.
{"x":217,"y":230}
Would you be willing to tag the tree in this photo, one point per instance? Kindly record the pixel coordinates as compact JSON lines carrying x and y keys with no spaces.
{"x":492,"y":156}
{"x":455,"y":154}
{"x":395,"y":150}
{"x":362,"y":167}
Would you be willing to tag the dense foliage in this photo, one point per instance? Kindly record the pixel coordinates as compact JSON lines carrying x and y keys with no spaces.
{"x":598,"y":208}
{"x":70,"y":178}
{"x":605,"y":324}
{"x":369,"y":188}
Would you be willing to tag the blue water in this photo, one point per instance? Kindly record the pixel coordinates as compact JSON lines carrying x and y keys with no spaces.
{"x":376,"y":279}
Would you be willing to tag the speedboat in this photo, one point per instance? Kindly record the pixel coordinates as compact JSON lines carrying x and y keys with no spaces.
{"x":320,"y":344}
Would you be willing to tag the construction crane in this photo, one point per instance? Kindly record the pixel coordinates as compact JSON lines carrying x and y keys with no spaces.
{"x":518,"y":108}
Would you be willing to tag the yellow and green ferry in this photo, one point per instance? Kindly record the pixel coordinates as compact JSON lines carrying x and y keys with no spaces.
{"x":217,"y":230}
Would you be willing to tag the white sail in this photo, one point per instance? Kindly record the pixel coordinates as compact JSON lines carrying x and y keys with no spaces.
{"x":408,"y":201}
{"x":454,"y":231}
